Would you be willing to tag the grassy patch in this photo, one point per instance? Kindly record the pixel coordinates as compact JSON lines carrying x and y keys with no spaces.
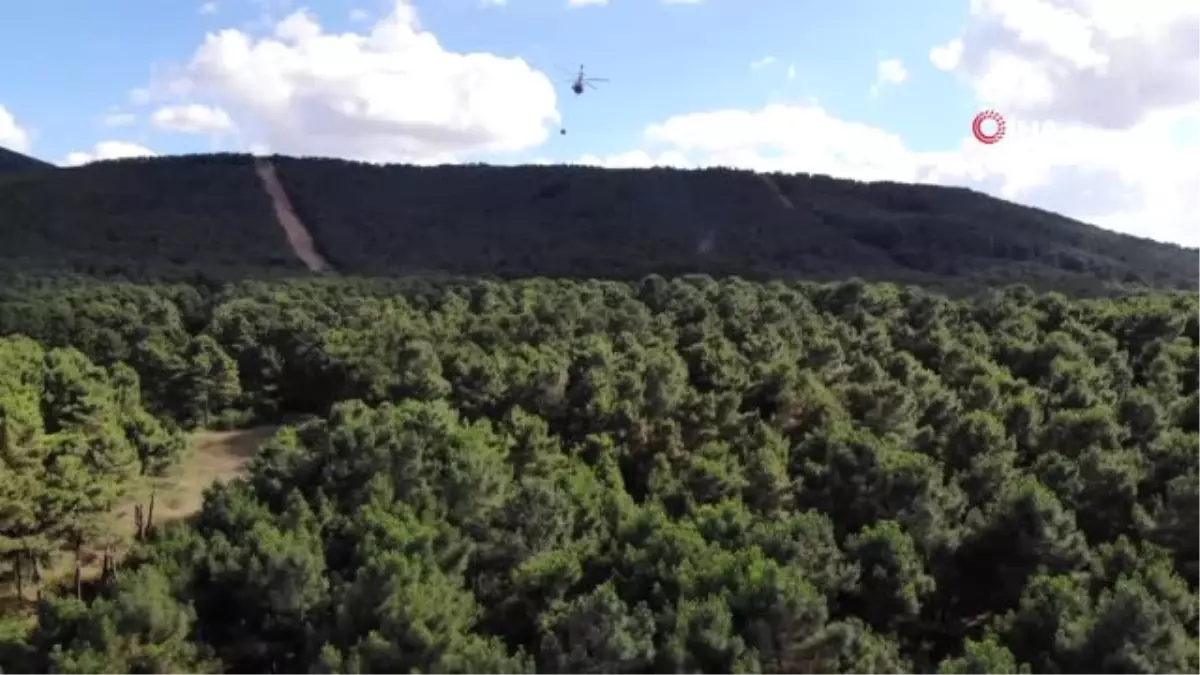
{"x":214,"y":456}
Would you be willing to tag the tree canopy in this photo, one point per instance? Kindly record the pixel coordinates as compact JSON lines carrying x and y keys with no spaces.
{"x":663,"y":475}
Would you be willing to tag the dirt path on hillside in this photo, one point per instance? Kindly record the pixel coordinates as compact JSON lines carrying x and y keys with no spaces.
{"x":783,"y":199}
{"x":297,"y":233}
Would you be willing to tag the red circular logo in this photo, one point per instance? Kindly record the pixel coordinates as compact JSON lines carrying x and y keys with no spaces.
{"x":983,"y":136}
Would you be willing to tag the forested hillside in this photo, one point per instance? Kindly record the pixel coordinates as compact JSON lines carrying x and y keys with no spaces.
{"x":587,"y":222}
{"x":208,"y":216}
{"x":15,"y":161}
{"x":665,"y":475}
{"x":144,"y":218}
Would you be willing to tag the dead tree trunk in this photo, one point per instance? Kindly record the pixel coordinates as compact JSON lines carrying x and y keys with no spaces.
{"x":79,"y":568}
{"x":150,"y":511}
{"x":19,"y":572}
{"x":106,"y":567}
{"x":34,"y":563}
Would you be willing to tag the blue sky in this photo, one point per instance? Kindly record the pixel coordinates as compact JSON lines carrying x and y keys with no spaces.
{"x":662,"y":59}
{"x":1114,"y":86}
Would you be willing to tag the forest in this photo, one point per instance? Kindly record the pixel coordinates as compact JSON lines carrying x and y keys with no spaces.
{"x":662,"y":474}
{"x":15,"y":161}
{"x":205,"y":218}
{"x":143,"y":219}
{"x":565,"y":419}
{"x":579,"y":221}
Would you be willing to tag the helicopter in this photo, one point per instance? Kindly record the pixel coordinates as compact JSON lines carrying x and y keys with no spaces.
{"x":580,"y":82}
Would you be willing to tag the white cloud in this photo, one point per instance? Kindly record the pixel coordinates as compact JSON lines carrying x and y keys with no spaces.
{"x":208,"y":8}
{"x":1135,"y":181}
{"x":888,"y":72}
{"x":762,"y":63}
{"x":107,"y":150}
{"x":636,"y":159}
{"x":391,"y":93}
{"x":12,"y":135}
{"x":358,"y":14}
{"x":791,"y":71}
{"x":585,"y":3}
{"x":192,"y":119}
{"x":1120,"y":83}
{"x":784,"y":138}
{"x":682,"y":2}
{"x":891,"y":71}
{"x":947,"y":56}
{"x":1106,"y":63}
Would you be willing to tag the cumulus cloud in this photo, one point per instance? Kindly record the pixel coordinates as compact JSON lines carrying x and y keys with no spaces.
{"x":1118,"y":81}
{"x":192,"y":119}
{"x":636,"y":159}
{"x":888,"y":72}
{"x":1138,"y":181}
{"x":947,"y":56}
{"x":784,"y":138}
{"x":1121,"y":83}
{"x":1105,"y":63}
{"x":107,"y":150}
{"x":391,"y":93}
{"x":12,"y":135}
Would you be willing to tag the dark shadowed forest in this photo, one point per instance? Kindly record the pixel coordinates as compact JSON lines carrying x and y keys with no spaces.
{"x":144,"y":220}
{"x":15,"y":161}
{"x":587,"y":421}
{"x":588,"y":222}
{"x":207,"y":217}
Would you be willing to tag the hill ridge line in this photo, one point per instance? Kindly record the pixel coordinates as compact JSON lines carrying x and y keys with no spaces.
{"x":297,"y":232}
{"x":177,"y":217}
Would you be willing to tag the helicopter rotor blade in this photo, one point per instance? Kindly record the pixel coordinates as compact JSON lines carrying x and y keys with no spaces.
{"x":595,"y":79}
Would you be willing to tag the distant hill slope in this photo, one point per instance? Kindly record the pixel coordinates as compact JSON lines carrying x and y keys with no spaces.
{"x":583,"y":221}
{"x":15,"y":161}
{"x":144,"y":218}
{"x":208,"y":215}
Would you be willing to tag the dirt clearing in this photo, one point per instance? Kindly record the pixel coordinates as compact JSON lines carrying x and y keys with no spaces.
{"x":214,"y":456}
{"x":297,"y":234}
